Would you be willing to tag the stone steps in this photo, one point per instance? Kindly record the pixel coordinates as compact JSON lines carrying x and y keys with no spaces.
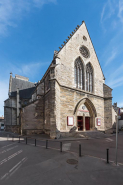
{"x":87,"y":134}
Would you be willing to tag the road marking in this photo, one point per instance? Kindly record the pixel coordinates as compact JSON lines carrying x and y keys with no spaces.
{"x":109,"y":140}
{"x":8,"y":149}
{"x":66,"y":146}
{"x":14,"y":169}
{"x":75,"y":153}
{"x":8,"y":145}
{"x":10,"y":157}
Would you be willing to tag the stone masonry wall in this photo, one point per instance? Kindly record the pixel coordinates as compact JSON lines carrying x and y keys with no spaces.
{"x":10,"y":111}
{"x":57,"y":101}
{"x":32,"y":117}
{"x":108,"y":113}
{"x":47,"y":112}
{"x":14,"y":129}
{"x":107,"y":91}
{"x":52,"y":105}
{"x":68,"y":55}
{"x":107,"y":106}
{"x":69,"y":99}
{"x":40,"y":89}
{"x":7,"y":116}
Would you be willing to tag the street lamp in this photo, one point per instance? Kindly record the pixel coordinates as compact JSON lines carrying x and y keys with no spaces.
{"x":118,"y":117}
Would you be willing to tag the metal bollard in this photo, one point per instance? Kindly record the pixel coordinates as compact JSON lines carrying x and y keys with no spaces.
{"x":60,"y":146}
{"x":107,"y":155}
{"x":79,"y":150}
{"x":19,"y":139}
{"x":26,"y":140}
{"x":35,"y":142}
{"x":46,"y":144}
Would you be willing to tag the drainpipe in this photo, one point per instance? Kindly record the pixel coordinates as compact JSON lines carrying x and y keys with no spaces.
{"x":44,"y":108}
{"x":18,"y":106}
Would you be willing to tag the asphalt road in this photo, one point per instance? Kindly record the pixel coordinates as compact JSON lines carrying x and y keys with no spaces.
{"x":90,"y":147}
{"x":14,"y":157}
{"x":27,"y":164}
{"x":98,"y":147}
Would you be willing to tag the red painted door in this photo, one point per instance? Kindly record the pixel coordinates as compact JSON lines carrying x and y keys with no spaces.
{"x":87,"y":123}
{"x":80,"y":122}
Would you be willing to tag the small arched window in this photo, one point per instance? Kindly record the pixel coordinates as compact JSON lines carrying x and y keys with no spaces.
{"x":79,"y":74}
{"x":89,"y":78}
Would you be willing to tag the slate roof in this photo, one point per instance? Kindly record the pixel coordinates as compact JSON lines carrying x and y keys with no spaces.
{"x":26,"y":88}
{"x":21,"y":84}
{"x":24,"y":94}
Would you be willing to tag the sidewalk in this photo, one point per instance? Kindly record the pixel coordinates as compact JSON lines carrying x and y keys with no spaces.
{"x":83,"y":135}
{"x":55,"y":170}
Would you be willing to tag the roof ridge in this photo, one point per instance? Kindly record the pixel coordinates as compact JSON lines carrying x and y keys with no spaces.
{"x":69,"y":37}
{"x":94,"y":50}
{"x":23,"y":80}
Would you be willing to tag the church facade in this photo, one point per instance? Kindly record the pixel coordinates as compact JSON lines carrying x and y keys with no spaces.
{"x":72,"y":92}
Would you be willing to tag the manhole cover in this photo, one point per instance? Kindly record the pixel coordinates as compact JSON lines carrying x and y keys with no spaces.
{"x":72,"y":161}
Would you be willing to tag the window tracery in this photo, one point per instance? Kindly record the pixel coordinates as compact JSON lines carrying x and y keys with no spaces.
{"x":79,"y":74}
{"x":89,"y":78}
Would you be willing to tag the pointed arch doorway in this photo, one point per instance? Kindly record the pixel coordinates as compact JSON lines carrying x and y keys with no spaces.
{"x":85,"y":114}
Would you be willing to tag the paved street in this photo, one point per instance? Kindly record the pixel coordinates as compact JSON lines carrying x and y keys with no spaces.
{"x":27,"y":164}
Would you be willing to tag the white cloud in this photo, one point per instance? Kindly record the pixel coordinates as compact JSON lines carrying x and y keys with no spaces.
{"x":111,"y":8}
{"x":27,"y":70}
{"x":116,"y":82}
{"x":112,"y":14}
{"x":120,"y":13}
{"x":120,"y":104}
{"x":116,"y":77}
{"x":118,"y":71}
{"x":13,"y":10}
{"x":39,"y":3}
{"x":32,"y":68}
{"x":111,"y":57}
{"x":103,"y":11}
{"x":113,"y":52}
{"x":107,"y":11}
{"x":3,"y":94}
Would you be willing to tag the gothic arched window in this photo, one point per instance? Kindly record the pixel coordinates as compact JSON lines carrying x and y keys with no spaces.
{"x":79,"y":74}
{"x":89,"y":77}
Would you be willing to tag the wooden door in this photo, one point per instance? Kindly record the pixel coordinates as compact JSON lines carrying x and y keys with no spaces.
{"x":80,"y":122}
{"x":87,"y":123}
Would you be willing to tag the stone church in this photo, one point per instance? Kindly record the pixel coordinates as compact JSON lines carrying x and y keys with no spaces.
{"x":72,"y":92}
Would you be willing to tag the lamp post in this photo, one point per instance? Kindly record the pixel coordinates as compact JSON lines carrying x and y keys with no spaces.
{"x":118,"y":113}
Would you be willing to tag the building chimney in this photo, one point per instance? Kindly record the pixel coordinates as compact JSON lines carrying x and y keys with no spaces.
{"x":10,"y":82}
{"x":21,"y":77}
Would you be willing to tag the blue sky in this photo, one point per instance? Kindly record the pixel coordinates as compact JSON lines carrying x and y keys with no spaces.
{"x":30,"y":31}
